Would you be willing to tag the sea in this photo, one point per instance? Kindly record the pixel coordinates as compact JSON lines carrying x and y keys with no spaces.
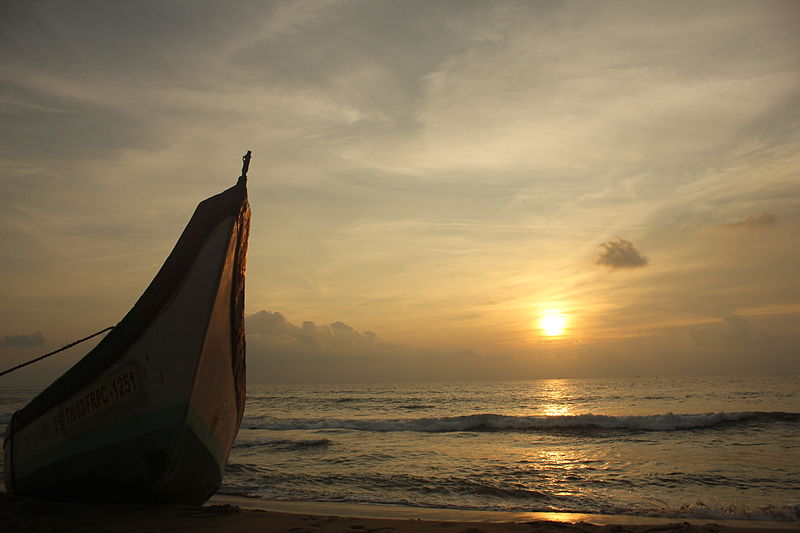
{"x":720,"y":447}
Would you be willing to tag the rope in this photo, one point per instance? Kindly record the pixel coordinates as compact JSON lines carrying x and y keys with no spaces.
{"x":70,"y":345}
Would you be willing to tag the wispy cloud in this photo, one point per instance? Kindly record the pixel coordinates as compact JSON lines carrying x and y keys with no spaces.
{"x":414,"y":162}
{"x":755,"y":221}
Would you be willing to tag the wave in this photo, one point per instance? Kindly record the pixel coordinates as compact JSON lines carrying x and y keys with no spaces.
{"x":253,"y":478}
{"x":477,"y":489}
{"x":283,"y":444}
{"x":494,"y":422}
{"x":257,"y":482}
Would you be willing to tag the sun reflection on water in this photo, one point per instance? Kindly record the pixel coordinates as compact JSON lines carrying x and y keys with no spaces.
{"x":554,"y":395}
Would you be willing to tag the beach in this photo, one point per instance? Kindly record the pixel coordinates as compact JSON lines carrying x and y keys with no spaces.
{"x":32,"y":515}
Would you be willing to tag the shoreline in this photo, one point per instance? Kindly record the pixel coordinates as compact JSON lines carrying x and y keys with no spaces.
{"x":393,"y":512}
{"x":231,"y":514}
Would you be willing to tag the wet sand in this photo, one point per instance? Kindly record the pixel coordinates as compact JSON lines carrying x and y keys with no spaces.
{"x":31,"y":515}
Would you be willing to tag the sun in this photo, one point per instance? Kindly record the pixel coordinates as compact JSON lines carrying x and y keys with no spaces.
{"x":553,"y":323}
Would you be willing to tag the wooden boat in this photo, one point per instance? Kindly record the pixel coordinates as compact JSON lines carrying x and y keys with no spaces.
{"x":151,"y":413}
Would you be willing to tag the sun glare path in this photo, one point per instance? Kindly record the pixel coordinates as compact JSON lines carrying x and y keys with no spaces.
{"x":553,"y":323}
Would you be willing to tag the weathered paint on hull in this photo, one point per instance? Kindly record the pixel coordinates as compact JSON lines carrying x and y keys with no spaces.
{"x":158,"y":422}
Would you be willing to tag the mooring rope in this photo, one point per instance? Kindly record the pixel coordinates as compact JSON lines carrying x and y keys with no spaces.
{"x":70,"y":345}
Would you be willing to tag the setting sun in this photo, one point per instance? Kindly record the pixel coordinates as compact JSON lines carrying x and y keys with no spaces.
{"x":553,"y":323}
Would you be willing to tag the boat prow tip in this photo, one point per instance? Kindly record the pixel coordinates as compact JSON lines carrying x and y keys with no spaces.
{"x":245,"y":167}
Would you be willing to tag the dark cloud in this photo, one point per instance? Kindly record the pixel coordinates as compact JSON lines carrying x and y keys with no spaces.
{"x":273,"y":328}
{"x":268,"y":323}
{"x":737,"y":344}
{"x":755,"y":221}
{"x":619,"y":254}
{"x":730,"y":331}
{"x":282,"y":352}
{"x":34,"y":339}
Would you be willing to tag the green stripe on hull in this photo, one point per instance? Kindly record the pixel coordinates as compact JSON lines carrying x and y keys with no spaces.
{"x":194,"y":473}
{"x":207,"y":437}
{"x":169,"y":455}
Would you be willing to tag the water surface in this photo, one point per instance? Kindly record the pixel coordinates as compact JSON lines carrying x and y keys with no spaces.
{"x":707,"y":447}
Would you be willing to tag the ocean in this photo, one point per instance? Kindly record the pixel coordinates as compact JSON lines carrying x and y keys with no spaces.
{"x":722,"y":448}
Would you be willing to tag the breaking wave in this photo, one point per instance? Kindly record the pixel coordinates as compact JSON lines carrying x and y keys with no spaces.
{"x":494,"y":422}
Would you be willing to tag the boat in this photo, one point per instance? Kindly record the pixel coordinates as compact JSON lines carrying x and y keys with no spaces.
{"x":151,"y":412}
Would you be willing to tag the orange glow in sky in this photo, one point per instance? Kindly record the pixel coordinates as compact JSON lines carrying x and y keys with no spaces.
{"x":460,"y":200}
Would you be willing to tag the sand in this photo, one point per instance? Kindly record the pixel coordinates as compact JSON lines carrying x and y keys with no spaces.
{"x":31,"y":515}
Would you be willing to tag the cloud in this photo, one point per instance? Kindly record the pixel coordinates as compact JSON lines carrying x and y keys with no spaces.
{"x":34,"y":339}
{"x":274,"y":329}
{"x":440,"y":166}
{"x":755,"y":221}
{"x":730,"y":331}
{"x":619,"y":254}
{"x":282,"y":352}
{"x":268,"y":323}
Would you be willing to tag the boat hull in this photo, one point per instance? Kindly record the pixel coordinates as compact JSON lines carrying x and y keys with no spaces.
{"x":153,"y":417}
{"x":134,"y":468}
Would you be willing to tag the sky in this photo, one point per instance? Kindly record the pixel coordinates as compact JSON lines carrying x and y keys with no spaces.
{"x":452,"y":190}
